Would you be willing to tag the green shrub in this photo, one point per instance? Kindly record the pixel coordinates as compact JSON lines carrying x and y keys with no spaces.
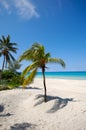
{"x":15,"y":81}
{"x":3,"y":85}
{"x":10,"y":80}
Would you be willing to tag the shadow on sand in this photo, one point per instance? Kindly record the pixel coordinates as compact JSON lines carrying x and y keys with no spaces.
{"x":33,"y":88}
{"x":5,"y":115}
{"x":59,"y":102}
{"x":23,"y":126}
{"x":29,"y":87}
{"x":1,"y":108}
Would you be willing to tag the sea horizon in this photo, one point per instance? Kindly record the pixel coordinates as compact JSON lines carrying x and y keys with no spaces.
{"x":80,"y":75}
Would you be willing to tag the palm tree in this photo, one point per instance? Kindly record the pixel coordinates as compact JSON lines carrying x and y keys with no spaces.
{"x":39,"y":59}
{"x":6,"y":47}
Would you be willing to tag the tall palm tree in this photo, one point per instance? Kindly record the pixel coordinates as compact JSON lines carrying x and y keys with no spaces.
{"x":39,"y":59}
{"x":6,"y":47}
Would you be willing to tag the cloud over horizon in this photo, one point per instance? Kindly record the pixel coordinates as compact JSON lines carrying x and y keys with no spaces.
{"x":24,"y":8}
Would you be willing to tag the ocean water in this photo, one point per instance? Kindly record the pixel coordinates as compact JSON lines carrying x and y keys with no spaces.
{"x":80,"y":75}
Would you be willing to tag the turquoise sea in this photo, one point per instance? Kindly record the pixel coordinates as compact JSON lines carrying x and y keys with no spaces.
{"x":80,"y":75}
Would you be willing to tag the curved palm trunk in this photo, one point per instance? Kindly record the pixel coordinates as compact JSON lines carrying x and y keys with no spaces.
{"x":45,"y":91}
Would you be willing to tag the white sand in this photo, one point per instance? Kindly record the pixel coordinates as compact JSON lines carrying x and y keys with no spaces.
{"x":23,"y":109}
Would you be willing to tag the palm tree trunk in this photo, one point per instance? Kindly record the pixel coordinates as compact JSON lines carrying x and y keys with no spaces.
{"x":2,"y":68}
{"x":0,"y":74}
{"x":3,"y":64}
{"x":45,"y":91}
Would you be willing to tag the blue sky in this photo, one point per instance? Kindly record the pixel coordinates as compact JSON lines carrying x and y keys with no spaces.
{"x":60,"y":25}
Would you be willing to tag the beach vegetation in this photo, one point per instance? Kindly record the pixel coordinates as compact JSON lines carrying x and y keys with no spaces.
{"x":39,"y":59}
{"x":10,"y":80}
{"x":3,"y":85}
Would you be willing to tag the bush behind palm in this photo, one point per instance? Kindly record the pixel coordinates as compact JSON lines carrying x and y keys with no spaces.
{"x":10,"y":80}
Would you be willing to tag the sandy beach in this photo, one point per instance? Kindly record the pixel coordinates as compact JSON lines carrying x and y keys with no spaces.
{"x":24,"y":109}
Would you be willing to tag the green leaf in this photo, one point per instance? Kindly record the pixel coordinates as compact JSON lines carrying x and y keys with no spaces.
{"x":28,"y":80}
{"x":29,"y":68}
{"x":57,"y":60}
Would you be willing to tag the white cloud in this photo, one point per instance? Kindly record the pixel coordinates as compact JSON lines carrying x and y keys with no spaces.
{"x":24,"y":8}
{"x":5,"y":4}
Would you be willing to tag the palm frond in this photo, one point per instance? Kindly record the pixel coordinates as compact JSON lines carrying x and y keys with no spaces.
{"x":36,"y":52}
{"x":8,"y":39}
{"x":38,"y":49}
{"x":36,"y":45}
{"x":11,"y":57}
{"x":29,"y":68}
{"x":1,"y":46}
{"x":12,"y":44}
{"x":27,"y":55}
{"x":57,"y":60}
{"x":0,"y":54}
{"x":47,"y":55}
{"x":13,"y":49}
{"x":28,"y":80}
{"x":7,"y":60}
{"x":3,"y":39}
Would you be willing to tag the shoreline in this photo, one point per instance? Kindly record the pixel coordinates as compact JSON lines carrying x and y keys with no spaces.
{"x":63,"y":78}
